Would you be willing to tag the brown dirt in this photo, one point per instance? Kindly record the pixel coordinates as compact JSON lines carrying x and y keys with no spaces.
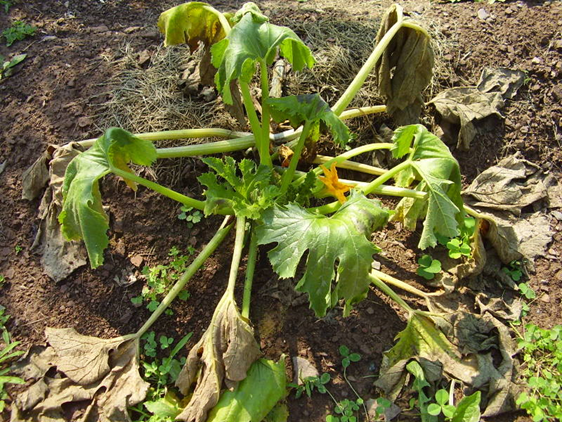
{"x":53,"y":97}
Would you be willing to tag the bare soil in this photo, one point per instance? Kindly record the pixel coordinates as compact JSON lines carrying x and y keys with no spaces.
{"x":53,"y":99}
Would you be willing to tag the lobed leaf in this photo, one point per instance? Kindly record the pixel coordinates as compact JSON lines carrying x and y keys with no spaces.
{"x":82,"y":215}
{"x":341,"y":238}
{"x":247,"y":194}
{"x":437,"y":172}
{"x":251,"y":40}
{"x":312,"y":108}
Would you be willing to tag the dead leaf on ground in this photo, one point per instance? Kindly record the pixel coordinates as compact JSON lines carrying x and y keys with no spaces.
{"x":100,"y":376}
{"x":404,"y":70}
{"x":224,"y":353}
{"x":59,"y":257}
{"x":464,"y":106}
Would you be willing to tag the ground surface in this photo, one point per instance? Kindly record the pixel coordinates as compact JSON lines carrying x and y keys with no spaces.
{"x":53,"y":99}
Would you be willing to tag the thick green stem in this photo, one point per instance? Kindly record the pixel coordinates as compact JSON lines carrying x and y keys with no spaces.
{"x":288,"y":175}
{"x":236,"y":254}
{"x":179,"y":134}
{"x":371,"y":187}
{"x":250,"y":268}
{"x":254,"y":121}
{"x":400,"y":284}
{"x":207,"y":149}
{"x":362,"y":111}
{"x":364,"y":72}
{"x":176,"y":196}
{"x":390,"y":293}
{"x":265,"y":115}
{"x":189,"y":273}
{"x":351,"y":165}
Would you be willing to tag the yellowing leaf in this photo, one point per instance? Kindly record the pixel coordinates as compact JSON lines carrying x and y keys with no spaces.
{"x":192,"y":23}
{"x":333,"y":185}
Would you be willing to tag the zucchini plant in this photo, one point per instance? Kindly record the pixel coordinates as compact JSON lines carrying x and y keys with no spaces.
{"x":272,"y":204}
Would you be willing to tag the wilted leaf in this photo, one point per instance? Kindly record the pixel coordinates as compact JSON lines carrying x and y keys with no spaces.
{"x":466,"y":105}
{"x":59,"y":257}
{"x":192,"y":23}
{"x":101,"y":375}
{"x":224,"y":354}
{"x":463,"y":107}
{"x":404,"y":70}
{"x":82,"y":216}
{"x":341,"y":238}
{"x":438,"y":173}
{"x":253,"y":398}
{"x":511,"y":185}
{"x":236,"y":57}
{"x":422,"y":340}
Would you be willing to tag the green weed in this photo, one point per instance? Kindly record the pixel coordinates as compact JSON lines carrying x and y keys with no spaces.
{"x":190,"y":216}
{"x":7,"y":354}
{"x":542,"y":369}
{"x":428,"y":267}
{"x":17,"y":32}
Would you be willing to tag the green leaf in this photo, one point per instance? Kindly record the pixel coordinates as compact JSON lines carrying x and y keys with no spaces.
{"x":312,"y":108}
{"x":250,"y":41}
{"x":341,"y":238}
{"x":191,"y":23}
{"x":434,"y":409}
{"x":82,"y":215}
{"x":255,"y":396}
{"x":248,"y":195}
{"x":438,"y":174}
{"x":168,"y":406}
{"x":442,"y":397}
{"x":468,"y":409}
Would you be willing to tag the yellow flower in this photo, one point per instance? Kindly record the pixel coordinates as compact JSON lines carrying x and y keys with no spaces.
{"x":333,"y":184}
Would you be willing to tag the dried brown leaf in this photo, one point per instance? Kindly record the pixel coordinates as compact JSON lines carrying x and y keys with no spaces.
{"x":224,"y":354}
{"x":404,"y":70}
{"x":100,"y":374}
{"x":59,"y":257}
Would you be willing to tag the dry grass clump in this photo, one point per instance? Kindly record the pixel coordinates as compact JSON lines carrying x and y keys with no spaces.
{"x":152,"y":99}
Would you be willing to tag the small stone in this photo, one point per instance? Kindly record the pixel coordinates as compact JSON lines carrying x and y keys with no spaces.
{"x":99,"y":29}
{"x":303,"y":369}
{"x":376,"y":330}
{"x":131,"y":29}
{"x":85,"y":121}
{"x":144,"y":57}
{"x":137,"y":260}
{"x":209,"y":94}
{"x":536,"y":60}
{"x":545,"y":298}
{"x":482,"y":14}
{"x":508,"y":11}
{"x":557,"y":215}
{"x":557,"y":44}
{"x":365,"y":350}
{"x":371,"y":310}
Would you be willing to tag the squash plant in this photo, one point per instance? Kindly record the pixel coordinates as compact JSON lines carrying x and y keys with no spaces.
{"x":272,"y":204}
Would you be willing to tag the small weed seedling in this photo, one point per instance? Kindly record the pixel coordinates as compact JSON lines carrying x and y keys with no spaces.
{"x":428,"y":267}
{"x":162,"y":404}
{"x":161,"y":278}
{"x":467,"y":410}
{"x":514,"y":271}
{"x":2,"y":280}
{"x":18,"y":249}
{"x":7,"y":4}
{"x":7,"y":353}
{"x":542,"y":357}
{"x":190,"y":216}
{"x":17,"y":32}
{"x":7,"y":66}
{"x":309,"y":384}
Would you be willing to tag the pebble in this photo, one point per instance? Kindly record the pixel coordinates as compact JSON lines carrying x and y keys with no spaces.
{"x":85,"y":121}
{"x":137,"y":260}
{"x":371,"y":310}
{"x":545,"y":298}
{"x":482,"y":14}
{"x":536,"y":60}
{"x":557,"y":44}
{"x":557,"y":215}
{"x":508,"y":11}
{"x":101,"y":28}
